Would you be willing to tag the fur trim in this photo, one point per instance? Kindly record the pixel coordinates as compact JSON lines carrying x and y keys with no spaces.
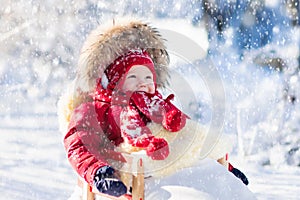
{"x":64,"y":108}
{"x":105,"y":44}
{"x":187,"y":147}
{"x":70,"y":99}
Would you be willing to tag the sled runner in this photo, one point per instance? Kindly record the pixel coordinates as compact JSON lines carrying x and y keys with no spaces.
{"x":133,"y":179}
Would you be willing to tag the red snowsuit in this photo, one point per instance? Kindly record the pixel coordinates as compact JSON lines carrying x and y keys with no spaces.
{"x":94,"y":127}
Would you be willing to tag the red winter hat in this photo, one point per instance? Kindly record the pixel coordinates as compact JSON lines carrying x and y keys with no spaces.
{"x":116,"y":70}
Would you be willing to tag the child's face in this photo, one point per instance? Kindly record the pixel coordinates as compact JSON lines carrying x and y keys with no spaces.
{"x":139,"y":78}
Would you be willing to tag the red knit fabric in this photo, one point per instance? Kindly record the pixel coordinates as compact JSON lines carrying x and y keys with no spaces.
{"x":115,"y":71}
{"x":158,"y":149}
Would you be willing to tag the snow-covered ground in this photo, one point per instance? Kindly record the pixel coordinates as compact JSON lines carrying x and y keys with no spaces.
{"x":33,"y":163}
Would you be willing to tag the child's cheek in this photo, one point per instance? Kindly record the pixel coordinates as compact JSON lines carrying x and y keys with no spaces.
{"x":129,"y":86}
{"x":151,"y":88}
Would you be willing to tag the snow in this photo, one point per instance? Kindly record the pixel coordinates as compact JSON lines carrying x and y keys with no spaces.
{"x":33,"y":163}
{"x":40,"y":44}
{"x":168,"y":30}
{"x":212,"y":182}
{"x":274,"y":183}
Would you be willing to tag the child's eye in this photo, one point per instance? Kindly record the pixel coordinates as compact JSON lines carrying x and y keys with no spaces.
{"x":131,"y":76}
{"x":148,"y":77}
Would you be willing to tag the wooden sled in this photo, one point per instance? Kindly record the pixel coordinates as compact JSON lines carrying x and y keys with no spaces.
{"x":133,"y":179}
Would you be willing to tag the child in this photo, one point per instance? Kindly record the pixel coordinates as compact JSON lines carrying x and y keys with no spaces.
{"x":110,"y":108}
{"x":136,"y":102}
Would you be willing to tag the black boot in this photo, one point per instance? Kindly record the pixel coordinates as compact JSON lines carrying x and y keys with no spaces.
{"x":238,"y":174}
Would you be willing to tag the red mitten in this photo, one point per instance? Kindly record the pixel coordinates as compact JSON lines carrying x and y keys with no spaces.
{"x":141,"y":142}
{"x":159,"y":110}
{"x":174,"y":120}
{"x":158,"y":149}
{"x":151,"y":105}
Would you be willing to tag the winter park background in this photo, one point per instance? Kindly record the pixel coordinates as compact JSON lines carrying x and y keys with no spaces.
{"x":254,"y":45}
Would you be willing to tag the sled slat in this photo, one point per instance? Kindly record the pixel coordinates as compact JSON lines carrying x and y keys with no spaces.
{"x":87,"y":193}
{"x":138,"y":182}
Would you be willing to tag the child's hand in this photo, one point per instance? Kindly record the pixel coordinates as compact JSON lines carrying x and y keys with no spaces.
{"x":158,"y":149}
{"x":159,"y":110}
{"x":174,"y":119}
{"x":151,"y":105}
{"x":107,"y":182}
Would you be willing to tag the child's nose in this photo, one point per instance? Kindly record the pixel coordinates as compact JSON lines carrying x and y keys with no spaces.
{"x":140,"y":81}
{"x":142,"y":84}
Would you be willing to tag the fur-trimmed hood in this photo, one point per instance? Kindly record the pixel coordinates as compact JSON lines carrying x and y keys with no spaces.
{"x":108,"y":42}
{"x":101,"y":48}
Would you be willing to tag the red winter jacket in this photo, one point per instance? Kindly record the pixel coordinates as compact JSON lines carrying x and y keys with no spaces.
{"x":94,"y":129}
